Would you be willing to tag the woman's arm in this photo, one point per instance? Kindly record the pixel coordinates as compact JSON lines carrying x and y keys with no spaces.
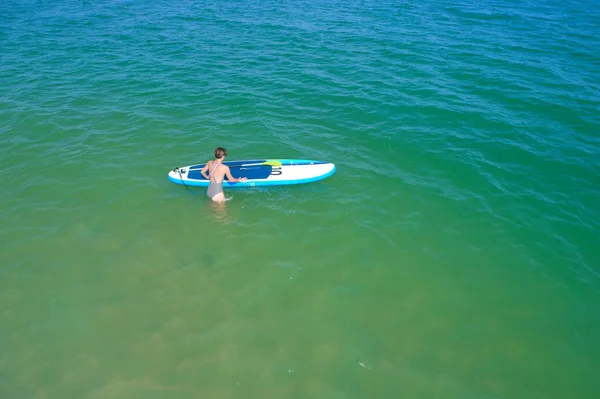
{"x":233,"y":179}
{"x":204,"y":169}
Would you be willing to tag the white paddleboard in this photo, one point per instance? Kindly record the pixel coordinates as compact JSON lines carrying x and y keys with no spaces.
{"x":271,"y":172}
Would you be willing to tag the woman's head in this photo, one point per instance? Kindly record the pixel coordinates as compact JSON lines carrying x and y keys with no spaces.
{"x":220,"y":152}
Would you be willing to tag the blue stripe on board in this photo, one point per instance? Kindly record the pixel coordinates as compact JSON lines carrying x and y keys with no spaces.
{"x":250,"y":172}
{"x":259,"y":161}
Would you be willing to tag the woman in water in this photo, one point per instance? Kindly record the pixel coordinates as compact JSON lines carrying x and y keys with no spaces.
{"x":215,"y":172}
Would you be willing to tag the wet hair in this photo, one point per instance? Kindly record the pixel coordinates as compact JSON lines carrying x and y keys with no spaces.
{"x":220,"y":152}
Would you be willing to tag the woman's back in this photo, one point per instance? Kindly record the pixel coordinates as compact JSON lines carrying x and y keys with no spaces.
{"x":217,"y":172}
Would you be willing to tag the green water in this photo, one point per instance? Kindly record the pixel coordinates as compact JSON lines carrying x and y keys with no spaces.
{"x":454,"y":254}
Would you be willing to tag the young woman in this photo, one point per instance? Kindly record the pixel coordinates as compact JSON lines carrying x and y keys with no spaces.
{"x":215,"y":172}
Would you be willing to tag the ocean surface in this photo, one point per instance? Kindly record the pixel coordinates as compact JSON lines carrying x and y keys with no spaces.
{"x":455,"y":253}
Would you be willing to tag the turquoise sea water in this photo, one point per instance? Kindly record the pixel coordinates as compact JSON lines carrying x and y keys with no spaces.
{"x":454,"y":254}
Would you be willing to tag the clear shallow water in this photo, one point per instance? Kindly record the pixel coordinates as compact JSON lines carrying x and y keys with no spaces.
{"x":453,"y":254}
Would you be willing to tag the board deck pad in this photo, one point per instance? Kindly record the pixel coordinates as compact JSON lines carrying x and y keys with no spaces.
{"x":272,"y":172}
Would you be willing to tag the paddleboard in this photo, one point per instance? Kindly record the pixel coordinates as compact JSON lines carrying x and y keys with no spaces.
{"x":266,"y":172}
